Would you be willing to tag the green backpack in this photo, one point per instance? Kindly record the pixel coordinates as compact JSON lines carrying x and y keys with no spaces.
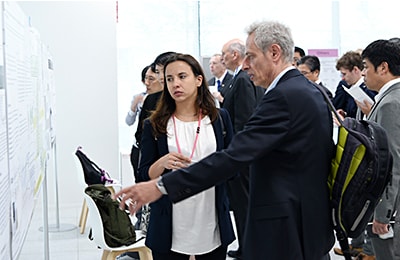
{"x":118,"y":228}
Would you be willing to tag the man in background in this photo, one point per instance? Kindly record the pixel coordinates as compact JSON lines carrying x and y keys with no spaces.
{"x":240,"y":99}
{"x":152,"y":85}
{"x":298,"y":54}
{"x":222,"y":78}
{"x":381,"y":73}
{"x":396,"y":228}
{"x":150,"y":102}
{"x":350,"y":66}
{"x":310,"y":67}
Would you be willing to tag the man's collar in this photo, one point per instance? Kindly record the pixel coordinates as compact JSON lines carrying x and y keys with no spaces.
{"x":237,"y":70}
{"x":359,"y":82}
{"x":222,"y":76}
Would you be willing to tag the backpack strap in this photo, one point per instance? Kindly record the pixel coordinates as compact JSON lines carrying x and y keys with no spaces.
{"x":344,"y":244}
{"x":329,"y":102}
{"x":340,"y":234}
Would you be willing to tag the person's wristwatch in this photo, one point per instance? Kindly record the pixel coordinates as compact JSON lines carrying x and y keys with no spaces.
{"x":160,"y":186}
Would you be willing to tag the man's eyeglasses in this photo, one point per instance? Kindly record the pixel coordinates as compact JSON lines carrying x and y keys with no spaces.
{"x":305,"y":72}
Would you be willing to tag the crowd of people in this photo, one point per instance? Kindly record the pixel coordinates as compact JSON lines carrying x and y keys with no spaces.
{"x":256,"y":139}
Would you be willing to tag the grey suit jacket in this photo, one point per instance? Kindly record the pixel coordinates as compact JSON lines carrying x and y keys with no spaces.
{"x":386,"y":112}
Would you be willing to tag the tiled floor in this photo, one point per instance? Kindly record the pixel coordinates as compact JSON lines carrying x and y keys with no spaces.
{"x":68,"y":245}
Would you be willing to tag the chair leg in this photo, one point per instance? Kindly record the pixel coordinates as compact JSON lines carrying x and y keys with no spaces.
{"x":113,"y":255}
{"x":105,"y":255}
{"x":83,"y":218}
{"x":145,"y":253}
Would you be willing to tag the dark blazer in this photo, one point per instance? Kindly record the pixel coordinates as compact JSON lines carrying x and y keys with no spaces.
{"x":149,"y":105}
{"x":159,"y":232}
{"x":345,"y":101}
{"x":288,"y":145}
{"x":225,"y":82}
{"x":240,"y":99}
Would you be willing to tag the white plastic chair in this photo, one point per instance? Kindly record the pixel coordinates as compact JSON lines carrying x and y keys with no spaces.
{"x":110,"y":253}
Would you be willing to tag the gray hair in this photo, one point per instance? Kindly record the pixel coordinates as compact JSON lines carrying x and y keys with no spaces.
{"x":217,"y":55}
{"x":239,"y":47}
{"x":267,"y":33}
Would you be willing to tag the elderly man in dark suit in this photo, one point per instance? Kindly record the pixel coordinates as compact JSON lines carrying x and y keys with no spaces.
{"x":288,"y":144}
{"x":240,"y":98}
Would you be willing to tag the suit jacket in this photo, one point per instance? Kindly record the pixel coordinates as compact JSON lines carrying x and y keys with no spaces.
{"x":225,"y":82}
{"x":240,"y":99}
{"x":345,"y":101}
{"x":288,"y":145}
{"x":149,"y":105}
{"x":385,"y":112}
{"x":159,"y":232}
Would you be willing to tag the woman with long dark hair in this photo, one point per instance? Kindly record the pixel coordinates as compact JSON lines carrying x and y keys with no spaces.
{"x":186,"y":127}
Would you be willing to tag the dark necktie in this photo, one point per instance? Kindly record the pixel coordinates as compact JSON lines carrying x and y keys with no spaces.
{"x":219,"y":85}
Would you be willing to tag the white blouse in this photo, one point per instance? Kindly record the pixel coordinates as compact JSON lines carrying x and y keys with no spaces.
{"x":194,"y":220}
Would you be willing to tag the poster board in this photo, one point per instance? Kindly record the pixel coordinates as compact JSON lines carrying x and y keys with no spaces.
{"x":25,"y":102}
{"x":5,"y":184}
{"x":329,"y":76}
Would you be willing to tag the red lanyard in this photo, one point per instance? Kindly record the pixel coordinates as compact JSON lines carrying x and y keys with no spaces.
{"x":195,"y":140}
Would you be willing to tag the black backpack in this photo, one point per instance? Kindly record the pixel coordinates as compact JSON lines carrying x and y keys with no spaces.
{"x":360,"y":173}
{"x":118,"y":228}
{"x":361,"y":169}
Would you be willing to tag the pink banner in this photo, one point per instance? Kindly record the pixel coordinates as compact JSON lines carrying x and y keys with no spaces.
{"x":323,"y":52}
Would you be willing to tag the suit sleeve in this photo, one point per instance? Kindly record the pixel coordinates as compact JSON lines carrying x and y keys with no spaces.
{"x":263,"y":128}
{"x":131,"y":116}
{"x":245,"y":102}
{"x":339,"y":100}
{"x":385,"y":208}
